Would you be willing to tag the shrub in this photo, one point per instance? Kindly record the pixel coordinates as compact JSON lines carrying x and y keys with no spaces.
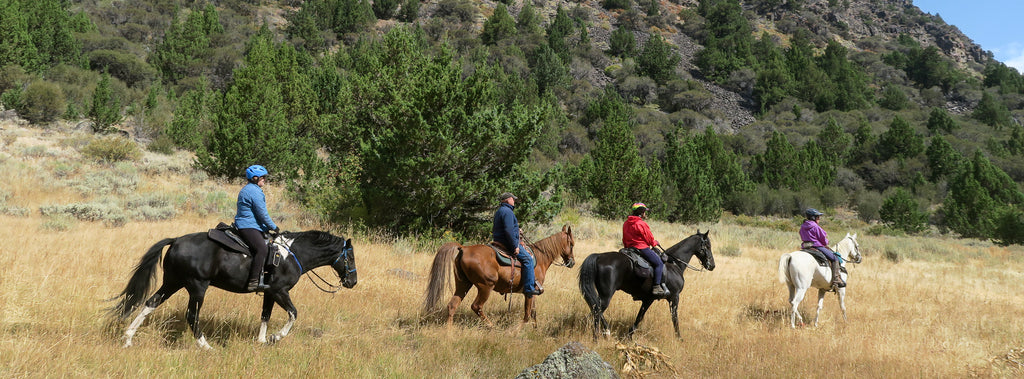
{"x":42,"y":102}
{"x":112,"y":149}
{"x":901,"y":211}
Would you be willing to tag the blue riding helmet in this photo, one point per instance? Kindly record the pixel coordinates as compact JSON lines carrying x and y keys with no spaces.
{"x":254,"y":171}
{"x":811,"y":212}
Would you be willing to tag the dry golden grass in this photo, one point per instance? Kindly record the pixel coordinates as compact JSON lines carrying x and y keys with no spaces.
{"x":949,"y":308}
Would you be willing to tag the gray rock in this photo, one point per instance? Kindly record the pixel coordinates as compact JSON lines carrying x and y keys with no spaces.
{"x":571,"y":361}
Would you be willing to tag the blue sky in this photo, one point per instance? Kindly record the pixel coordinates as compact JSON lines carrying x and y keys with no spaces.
{"x":993,"y":24}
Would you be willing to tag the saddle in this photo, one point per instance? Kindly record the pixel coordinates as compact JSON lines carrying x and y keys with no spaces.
{"x":818,"y":256}
{"x":641,"y":267}
{"x":503,"y":257}
{"x":228,"y":237}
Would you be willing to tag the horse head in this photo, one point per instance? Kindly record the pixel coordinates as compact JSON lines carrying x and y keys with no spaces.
{"x":698,"y":244}
{"x":849,"y":249}
{"x":704,"y":251}
{"x":567,"y":255}
{"x":345,"y":265}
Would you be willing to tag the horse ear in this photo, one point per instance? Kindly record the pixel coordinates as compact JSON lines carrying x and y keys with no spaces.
{"x":348,"y":242}
{"x":698,"y":230}
{"x":564,"y":227}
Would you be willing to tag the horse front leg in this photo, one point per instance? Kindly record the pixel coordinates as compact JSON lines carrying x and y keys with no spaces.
{"x":673,"y":306}
{"x":196,"y":292}
{"x":529,"y":312}
{"x":268,"y":308}
{"x":285,"y":301}
{"x":821,"y":303}
{"x":841,"y":293}
{"x":639,"y":317}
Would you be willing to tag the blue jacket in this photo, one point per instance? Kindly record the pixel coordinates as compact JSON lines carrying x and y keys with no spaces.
{"x":252,"y":209}
{"x":506,"y":227}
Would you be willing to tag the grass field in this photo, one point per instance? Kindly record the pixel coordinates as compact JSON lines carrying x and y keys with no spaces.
{"x":918,"y":306}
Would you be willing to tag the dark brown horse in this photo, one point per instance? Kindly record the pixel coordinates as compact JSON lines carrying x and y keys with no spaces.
{"x":477,"y":266}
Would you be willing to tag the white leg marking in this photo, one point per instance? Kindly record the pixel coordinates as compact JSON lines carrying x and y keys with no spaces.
{"x":262,"y":338}
{"x":287,"y":328}
{"x":202,"y":343}
{"x":134,"y":326}
{"x":821,"y":302}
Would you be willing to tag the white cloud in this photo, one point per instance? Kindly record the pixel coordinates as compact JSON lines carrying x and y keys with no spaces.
{"x":1013,"y":56}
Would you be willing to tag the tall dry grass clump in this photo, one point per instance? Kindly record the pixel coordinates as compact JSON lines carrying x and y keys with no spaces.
{"x":945,"y":308}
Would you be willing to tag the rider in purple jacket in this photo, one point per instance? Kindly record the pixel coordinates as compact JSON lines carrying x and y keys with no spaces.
{"x":813,"y":236}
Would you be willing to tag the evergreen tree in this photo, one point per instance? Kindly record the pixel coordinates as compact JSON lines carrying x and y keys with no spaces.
{"x":252,"y":123}
{"x":773,"y":79}
{"x":657,"y":60}
{"x":16,"y":45}
{"x":968,"y":209}
{"x":527,"y":22}
{"x":901,"y":211}
{"x":728,"y":44}
{"x":622,"y":44}
{"x":410,"y":11}
{"x":559,"y":30}
{"x":706,"y":176}
{"x":384,"y":9}
{"x":192,"y":124}
{"x":435,"y":145}
{"x":1010,"y":227}
{"x":620,"y":176}
{"x":186,"y":46}
{"x":940,"y":121}
{"x":498,"y":27}
{"x":352,"y":16}
{"x":834,"y":142}
{"x":900,"y":141}
{"x":106,"y":108}
{"x":548,"y":69}
{"x":893,"y":98}
{"x":943,"y":160}
{"x":774,"y":166}
{"x":850,"y":81}
{"x":1015,"y":144}
{"x":992,"y":112}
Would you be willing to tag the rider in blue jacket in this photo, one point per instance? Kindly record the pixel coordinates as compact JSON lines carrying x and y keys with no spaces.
{"x":506,"y":232}
{"x":252,"y":221}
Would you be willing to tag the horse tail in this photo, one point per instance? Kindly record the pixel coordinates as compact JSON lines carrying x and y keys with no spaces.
{"x":440,"y":276}
{"x":784,"y":267}
{"x":588,"y":275}
{"x":138,"y":286}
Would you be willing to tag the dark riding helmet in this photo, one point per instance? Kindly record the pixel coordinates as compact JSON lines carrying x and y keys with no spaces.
{"x":812,"y":213}
{"x":255,"y":171}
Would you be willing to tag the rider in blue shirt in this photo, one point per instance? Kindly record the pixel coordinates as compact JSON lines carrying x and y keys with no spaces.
{"x":506,"y":232}
{"x":252,"y":221}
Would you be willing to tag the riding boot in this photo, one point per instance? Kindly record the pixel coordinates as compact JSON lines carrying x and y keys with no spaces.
{"x":837,"y":281}
{"x":257,"y":285}
{"x":659,"y":290}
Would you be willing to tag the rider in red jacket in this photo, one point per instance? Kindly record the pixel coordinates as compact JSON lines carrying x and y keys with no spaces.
{"x":637,"y":234}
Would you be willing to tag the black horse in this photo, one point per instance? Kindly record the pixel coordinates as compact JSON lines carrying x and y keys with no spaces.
{"x":195,"y":262}
{"x":603,"y":274}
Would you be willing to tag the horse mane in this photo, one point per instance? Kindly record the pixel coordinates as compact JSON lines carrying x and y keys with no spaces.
{"x":549,"y":244}
{"x":319,"y":238}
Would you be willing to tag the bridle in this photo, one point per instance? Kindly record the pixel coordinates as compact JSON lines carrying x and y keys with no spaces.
{"x":703,"y":251}
{"x":346,"y":268}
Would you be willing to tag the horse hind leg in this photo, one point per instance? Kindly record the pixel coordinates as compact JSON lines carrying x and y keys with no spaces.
{"x":461,"y":289}
{"x":197,"y":293}
{"x":821,"y":303}
{"x":154,"y":301}
{"x":794,"y":301}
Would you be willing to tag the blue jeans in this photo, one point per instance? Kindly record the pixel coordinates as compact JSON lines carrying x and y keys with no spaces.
{"x":828,"y":253}
{"x":529,"y":277}
{"x":656,"y":263}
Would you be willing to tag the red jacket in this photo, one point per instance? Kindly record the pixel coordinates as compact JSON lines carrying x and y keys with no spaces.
{"x":636,"y":233}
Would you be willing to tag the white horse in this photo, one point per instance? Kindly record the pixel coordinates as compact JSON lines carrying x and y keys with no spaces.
{"x":800,"y":271}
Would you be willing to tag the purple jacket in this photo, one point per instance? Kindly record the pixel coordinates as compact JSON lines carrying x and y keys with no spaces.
{"x":811,"y":232}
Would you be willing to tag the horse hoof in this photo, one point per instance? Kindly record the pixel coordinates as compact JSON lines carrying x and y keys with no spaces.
{"x":273,"y":339}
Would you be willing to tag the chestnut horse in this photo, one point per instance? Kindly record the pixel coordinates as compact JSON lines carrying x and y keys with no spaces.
{"x":477,"y":266}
